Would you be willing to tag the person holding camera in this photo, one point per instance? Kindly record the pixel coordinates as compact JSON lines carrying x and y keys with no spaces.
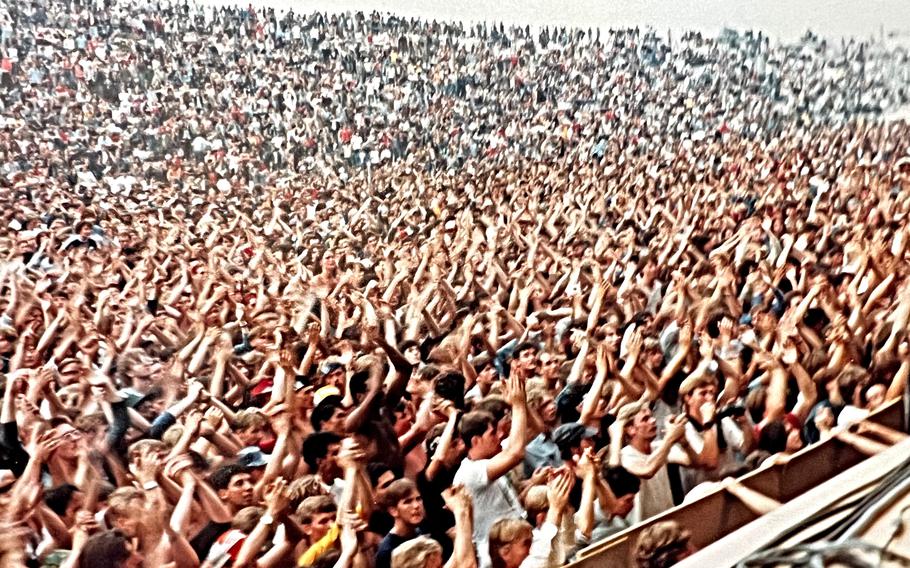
{"x":718,"y":439}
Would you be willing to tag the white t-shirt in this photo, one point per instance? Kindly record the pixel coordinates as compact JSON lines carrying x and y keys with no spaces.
{"x":851,"y":414}
{"x":655,"y":495}
{"x":492,"y":501}
{"x":690,"y":476}
{"x":541,"y":545}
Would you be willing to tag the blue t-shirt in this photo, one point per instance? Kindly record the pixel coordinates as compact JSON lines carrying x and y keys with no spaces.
{"x":389,"y":544}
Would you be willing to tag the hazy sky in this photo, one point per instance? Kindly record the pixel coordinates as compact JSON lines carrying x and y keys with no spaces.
{"x":785,"y":19}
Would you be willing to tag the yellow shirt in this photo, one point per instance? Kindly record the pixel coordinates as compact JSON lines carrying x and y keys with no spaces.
{"x":320,"y":546}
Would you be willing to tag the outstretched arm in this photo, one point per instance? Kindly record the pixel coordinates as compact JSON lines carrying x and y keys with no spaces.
{"x":507,"y":459}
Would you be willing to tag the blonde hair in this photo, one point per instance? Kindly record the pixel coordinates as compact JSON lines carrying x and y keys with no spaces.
{"x":250,"y":418}
{"x":247,"y":518}
{"x":142,"y":446}
{"x":120,"y":503}
{"x":303,"y":487}
{"x":537,"y":391}
{"x":661,"y":545}
{"x":172,"y":435}
{"x":506,"y":531}
{"x":627,"y":414}
{"x":415,"y":553}
{"x":536,"y":501}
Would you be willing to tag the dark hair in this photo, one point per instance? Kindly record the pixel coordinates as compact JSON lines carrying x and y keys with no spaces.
{"x":109,"y":548}
{"x":358,"y":382}
{"x":713,"y":325}
{"x":396,"y":491}
{"x":154,"y":393}
{"x":494,"y":405}
{"x":324,"y":412}
{"x":431,"y":442}
{"x":221,"y":477}
{"x":621,"y":482}
{"x":567,"y":448}
{"x":475,"y":423}
{"x":851,"y":377}
{"x":199,"y":461}
{"x":523,"y":346}
{"x":568,"y":400}
{"x":316,"y":447}
{"x":773,"y":437}
{"x":450,"y":386}
{"x":375,"y":470}
{"x":58,"y":498}
{"x":327,"y":560}
{"x":407,"y":344}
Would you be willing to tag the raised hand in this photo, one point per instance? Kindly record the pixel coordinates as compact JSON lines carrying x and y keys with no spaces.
{"x":276,"y":497}
{"x":514,"y":391}
{"x":588,"y":465}
{"x":351,"y":455}
{"x":685,"y":334}
{"x":351,"y":525}
{"x":313,"y":329}
{"x":707,"y":411}
{"x":147,"y":467}
{"x":603,"y":365}
{"x":634,"y":345}
{"x":46,"y":446}
{"x":676,"y":427}
{"x":177,"y":466}
{"x":558,"y":488}
{"x":213,"y":417}
{"x":457,"y":499}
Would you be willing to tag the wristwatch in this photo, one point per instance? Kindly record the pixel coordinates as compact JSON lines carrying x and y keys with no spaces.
{"x":149,"y":485}
{"x":267,"y":519}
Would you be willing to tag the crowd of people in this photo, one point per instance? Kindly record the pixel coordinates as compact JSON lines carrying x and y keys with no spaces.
{"x":358,"y":290}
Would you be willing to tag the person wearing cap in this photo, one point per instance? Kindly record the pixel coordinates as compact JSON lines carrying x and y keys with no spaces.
{"x":714,"y":441}
{"x":572,"y":440}
{"x":253,"y":458}
{"x":328,"y":412}
{"x":332,"y":373}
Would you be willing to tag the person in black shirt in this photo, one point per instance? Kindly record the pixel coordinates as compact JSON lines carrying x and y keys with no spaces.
{"x":445,"y":449}
{"x":12,"y":455}
{"x":405,"y":505}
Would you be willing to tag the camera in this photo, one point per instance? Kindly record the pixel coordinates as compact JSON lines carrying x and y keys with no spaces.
{"x":734,"y":410}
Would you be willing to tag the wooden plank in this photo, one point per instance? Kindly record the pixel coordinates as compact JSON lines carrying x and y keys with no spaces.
{"x":718,"y":514}
{"x":741,"y":543}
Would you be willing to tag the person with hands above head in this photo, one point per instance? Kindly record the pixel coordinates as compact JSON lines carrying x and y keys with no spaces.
{"x":272,"y":527}
{"x":488,"y":460}
{"x":515,"y":544}
{"x":445,"y":451}
{"x":356,"y":495}
{"x":714,"y":439}
{"x":608,"y":498}
{"x":320,"y":277}
{"x":634,"y":446}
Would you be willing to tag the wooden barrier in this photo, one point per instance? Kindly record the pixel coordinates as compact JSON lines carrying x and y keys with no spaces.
{"x":719,"y":513}
{"x":790,"y":519}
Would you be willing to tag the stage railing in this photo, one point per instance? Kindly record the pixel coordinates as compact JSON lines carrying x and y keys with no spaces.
{"x":719,"y":513}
